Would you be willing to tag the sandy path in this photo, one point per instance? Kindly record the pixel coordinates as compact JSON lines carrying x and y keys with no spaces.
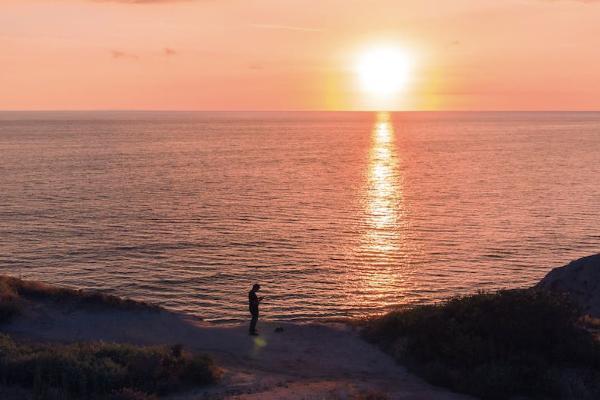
{"x":305,"y":361}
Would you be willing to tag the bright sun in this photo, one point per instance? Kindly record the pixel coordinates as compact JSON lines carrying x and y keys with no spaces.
{"x":383,"y":71}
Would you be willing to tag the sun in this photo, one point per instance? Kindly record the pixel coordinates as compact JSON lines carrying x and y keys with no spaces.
{"x":383,"y":71}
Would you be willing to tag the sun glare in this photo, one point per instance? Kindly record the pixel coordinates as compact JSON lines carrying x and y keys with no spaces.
{"x":383,"y":71}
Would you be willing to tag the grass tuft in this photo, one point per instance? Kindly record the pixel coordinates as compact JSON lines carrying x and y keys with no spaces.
{"x":10,"y":304}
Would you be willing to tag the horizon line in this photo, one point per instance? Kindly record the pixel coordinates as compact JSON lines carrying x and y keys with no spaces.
{"x":297,"y":110}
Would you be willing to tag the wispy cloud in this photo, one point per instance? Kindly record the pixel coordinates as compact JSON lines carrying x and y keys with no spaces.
{"x":167,"y":51}
{"x":118,"y":54}
{"x":139,"y":1}
{"x":573,"y":1}
{"x":286,"y":27}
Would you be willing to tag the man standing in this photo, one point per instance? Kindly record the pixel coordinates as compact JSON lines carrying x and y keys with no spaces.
{"x":253,"y":302}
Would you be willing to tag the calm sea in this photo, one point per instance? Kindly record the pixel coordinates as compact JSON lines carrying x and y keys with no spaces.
{"x":335,"y":214}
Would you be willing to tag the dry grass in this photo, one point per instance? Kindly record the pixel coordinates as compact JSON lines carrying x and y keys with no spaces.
{"x":371,"y":395}
{"x":15,"y":293}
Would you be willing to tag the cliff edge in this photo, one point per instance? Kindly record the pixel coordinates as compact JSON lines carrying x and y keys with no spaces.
{"x":580,"y":279}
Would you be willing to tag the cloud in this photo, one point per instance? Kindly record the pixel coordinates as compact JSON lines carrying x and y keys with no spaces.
{"x":285,"y":27}
{"x":169,"y":52}
{"x":118,"y":54}
{"x":572,"y":1}
{"x":267,"y":26}
{"x":139,"y":1}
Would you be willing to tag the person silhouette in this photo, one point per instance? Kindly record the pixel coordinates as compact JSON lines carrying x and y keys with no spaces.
{"x":253,"y":302}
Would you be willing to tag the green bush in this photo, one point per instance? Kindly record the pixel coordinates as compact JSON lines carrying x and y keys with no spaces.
{"x":99,"y":370}
{"x":496,"y":346}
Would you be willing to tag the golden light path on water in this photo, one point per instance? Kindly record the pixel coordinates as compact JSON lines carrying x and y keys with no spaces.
{"x":384,"y":204}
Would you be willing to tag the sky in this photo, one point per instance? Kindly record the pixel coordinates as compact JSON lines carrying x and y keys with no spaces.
{"x":297,"y":55}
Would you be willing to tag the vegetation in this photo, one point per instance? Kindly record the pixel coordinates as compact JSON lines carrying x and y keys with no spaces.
{"x":10,"y":304}
{"x":496,"y":345}
{"x":101,"y":370}
{"x":15,"y":292}
{"x":371,"y":395}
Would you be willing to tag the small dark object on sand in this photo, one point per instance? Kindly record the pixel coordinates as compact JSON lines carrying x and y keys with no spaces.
{"x":279,"y":329}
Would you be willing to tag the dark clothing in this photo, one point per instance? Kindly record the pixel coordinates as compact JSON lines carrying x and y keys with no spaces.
{"x":253,"y":307}
{"x":253,"y":322}
{"x":253,"y":302}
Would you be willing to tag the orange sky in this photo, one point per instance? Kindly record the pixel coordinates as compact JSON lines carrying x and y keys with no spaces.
{"x":296,"y":55}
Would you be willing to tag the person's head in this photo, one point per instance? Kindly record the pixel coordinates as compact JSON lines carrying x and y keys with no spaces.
{"x":255,"y":287}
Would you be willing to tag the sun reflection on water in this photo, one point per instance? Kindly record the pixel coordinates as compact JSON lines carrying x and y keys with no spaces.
{"x":382,"y":242}
{"x":383,"y":189}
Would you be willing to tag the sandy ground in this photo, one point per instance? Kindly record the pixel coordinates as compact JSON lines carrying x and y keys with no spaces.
{"x":305,"y":361}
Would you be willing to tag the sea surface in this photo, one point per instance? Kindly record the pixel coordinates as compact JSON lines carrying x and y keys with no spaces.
{"x":335,"y":214}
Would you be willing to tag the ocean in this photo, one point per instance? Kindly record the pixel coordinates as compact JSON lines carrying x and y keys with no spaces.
{"x":334,"y":214}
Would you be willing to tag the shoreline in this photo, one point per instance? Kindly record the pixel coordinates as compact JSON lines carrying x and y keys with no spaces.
{"x":350,"y":320}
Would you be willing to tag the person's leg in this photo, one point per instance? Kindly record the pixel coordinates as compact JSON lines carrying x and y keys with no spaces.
{"x":253,"y":323}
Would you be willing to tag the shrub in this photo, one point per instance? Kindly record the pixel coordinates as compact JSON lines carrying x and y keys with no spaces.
{"x":509,"y":343}
{"x":131,"y":394}
{"x":371,"y":395}
{"x":98,"y":370}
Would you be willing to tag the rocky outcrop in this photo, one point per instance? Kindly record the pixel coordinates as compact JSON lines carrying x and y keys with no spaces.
{"x":580,"y":279}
